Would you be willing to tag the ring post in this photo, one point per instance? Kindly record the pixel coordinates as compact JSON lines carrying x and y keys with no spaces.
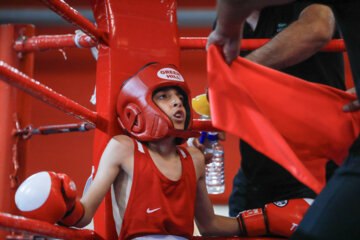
{"x":14,"y":107}
{"x":140,"y":32}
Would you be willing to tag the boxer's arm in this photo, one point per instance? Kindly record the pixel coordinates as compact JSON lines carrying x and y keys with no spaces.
{"x":117,"y":154}
{"x":207,"y":222}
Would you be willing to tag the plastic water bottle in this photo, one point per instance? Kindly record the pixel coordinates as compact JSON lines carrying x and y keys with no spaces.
{"x":215,"y":179}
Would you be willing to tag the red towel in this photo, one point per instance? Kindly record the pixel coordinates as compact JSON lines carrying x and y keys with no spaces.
{"x":298,"y":124}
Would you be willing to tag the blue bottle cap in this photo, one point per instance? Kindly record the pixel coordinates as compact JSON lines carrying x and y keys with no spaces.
{"x":213,"y":136}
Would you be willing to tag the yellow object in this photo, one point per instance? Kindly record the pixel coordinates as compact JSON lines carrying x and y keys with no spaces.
{"x":201,"y":105}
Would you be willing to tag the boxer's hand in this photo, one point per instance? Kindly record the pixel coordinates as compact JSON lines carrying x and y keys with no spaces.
{"x":49,"y":197}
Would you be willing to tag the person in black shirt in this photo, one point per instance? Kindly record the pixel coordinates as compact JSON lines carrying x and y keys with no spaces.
{"x":260,"y":180}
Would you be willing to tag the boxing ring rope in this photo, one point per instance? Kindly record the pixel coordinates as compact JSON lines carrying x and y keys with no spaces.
{"x":74,"y":17}
{"x":45,"y":94}
{"x":26,"y":225}
{"x":193,"y":43}
{"x":47,"y":42}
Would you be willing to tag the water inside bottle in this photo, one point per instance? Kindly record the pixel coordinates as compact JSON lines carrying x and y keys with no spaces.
{"x":215,"y":181}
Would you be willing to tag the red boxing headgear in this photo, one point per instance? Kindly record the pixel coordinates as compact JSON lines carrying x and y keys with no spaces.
{"x":138,"y":114}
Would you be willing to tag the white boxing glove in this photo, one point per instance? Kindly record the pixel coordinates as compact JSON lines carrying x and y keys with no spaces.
{"x":49,"y":197}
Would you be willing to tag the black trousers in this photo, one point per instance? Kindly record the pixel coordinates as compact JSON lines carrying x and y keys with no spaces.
{"x":335,"y":213}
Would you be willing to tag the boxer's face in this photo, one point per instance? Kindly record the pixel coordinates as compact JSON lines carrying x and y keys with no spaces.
{"x":171,"y":102}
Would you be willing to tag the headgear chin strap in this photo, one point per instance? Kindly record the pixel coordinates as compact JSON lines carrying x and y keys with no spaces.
{"x":139,"y":115}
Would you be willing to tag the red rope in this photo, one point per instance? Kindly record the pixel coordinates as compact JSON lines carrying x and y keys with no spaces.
{"x":21,"y":224}
{"x":192,"y":43}
{"x":74,"y":17}
{"x":32,"y":226}
{"x":45,"y":94}
{"x":47,"y":42}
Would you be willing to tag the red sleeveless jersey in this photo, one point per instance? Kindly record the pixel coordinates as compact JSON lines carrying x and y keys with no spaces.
{"x":158,"y":205}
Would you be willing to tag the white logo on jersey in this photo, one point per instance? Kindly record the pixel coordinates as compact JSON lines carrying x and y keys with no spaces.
{"x":170,"y":74}
{"x":151,"y":210}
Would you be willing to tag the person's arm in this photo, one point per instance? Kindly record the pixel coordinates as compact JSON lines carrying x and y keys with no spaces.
{"x":304,"y":37}
{"x":231,"y":15}
{"x":117,"y":153}
{"x":207,"y":222}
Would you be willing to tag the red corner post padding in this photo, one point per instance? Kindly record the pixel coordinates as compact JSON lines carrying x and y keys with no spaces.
{"x":296,"y":123}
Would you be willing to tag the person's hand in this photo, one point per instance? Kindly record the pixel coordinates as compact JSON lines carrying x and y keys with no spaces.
{"x":230,"y":44}
{"x":353,"y":106}
{"x":195,"y":142}
{"x":222,"y":136}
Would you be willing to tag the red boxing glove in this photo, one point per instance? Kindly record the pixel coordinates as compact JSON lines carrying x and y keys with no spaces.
{"x":278,"y":218}
{"x":49,"y":197}
{"x":75,"y":209}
